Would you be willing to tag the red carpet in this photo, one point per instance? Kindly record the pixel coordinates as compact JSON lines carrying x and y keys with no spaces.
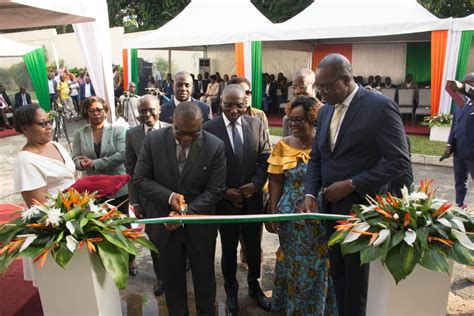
{"x":8,"y":132}
{"x":275,"y":120}
{"x":18,"y":297}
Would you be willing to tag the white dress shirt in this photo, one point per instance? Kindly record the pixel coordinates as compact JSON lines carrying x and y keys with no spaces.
{"x":87,"y":90}
{"x":228,"y":126}
{"x":155,"y":127}
{"x":346,"y":103}
{"x":176,"y":101}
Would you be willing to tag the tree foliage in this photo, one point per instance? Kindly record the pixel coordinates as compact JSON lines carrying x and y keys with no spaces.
{"x":448,"y":8}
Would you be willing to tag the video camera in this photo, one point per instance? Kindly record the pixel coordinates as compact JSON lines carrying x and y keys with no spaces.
{"x":154,"y":91}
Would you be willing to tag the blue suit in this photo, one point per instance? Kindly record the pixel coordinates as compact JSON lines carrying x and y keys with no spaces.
{"x":167,"y":110}
{"x":371,"y":149}
{"x":461,"y":138}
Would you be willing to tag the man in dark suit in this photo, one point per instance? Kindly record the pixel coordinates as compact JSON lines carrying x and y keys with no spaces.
{"x":247,"y":149}
{"x":461,"y":138}
{"x":269,"y":93}
{"x":199,"y":87}
{"x":183,"y":87}
{"x":22,"y":98}
{"x":86,"y":89}
{"x":184,"y":160}
{"x":149,"y":112}
{"x":360,"y":148}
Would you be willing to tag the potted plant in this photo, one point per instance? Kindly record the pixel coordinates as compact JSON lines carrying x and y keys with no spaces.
{"x":439,"y":126}
{"x":403,"y":236}
{"x":81,"y":248}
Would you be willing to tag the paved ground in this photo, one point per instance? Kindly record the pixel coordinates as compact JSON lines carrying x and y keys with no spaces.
{"x":138,"y":298}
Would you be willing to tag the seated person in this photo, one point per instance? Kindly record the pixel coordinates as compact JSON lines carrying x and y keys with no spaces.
{"x":388,"y":83}
{"x":410,"y":84}
{"x":370,"y":81}
{"x":212,"y":92}
{"x":22,"y":98}
{"x":377,"y":83}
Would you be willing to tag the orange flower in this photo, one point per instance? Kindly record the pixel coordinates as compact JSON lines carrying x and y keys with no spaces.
{"x":344,"y":226}
{"x":42,"y":258}
{"x":392,"y":200}
{"x":385,"y":213}
{"x":442,"y":209}
{"x":407,"y":220}
{"x":373,"y":238}
{"x":90,"y":244}
{"x":447,"y":242}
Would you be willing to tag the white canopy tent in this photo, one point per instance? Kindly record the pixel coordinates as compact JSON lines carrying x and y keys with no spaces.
{"x":205,"y":22}
{"x":91,"y":24}
{"x":328,"y":19}
{"x":464,"y":24}
{"x":9,"y":48}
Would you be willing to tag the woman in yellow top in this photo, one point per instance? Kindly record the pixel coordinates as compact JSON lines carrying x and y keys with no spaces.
{"x":302,"y":284}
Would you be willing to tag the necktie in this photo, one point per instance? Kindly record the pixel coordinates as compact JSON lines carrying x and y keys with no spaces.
{"x":237,"y":140}
{"x":181,"y":159}
{"x":151,"y":129}
{"x":336,"y":118}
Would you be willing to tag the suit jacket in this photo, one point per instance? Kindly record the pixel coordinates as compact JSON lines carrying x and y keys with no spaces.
{"x":205,"y":83}
{"x":167,"y":110}
{"x":202,"y":181}
{"x":461,"y":137}
{"x":112,"y":152}
{"x":272,"y":90}
{"x":371,"y":149}
{"x":82,"y":90}
{"x":254,"y":166}
{"x":19,"y":100}
{"x":134,"y":138}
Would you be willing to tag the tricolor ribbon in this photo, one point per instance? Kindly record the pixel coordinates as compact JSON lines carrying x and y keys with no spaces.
{"x":233,"y":219}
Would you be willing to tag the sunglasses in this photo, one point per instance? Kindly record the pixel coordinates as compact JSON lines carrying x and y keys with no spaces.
{"x":230,"y":105}
{"x":296,"y":121}
{"x":44,"y":124}
{"x":193,"y":134}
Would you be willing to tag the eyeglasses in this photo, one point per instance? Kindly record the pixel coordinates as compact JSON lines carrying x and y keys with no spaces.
{"x":296,"y":120}
{"x":192,"y":134}
{"x":230,"y":105}
{"x":302,"y":87}
{"x":145,"y":111}
{"x":44,"y":124}
{"x":98,"y":110}
{"x":248,"y":92}
{"x":326,"y":88}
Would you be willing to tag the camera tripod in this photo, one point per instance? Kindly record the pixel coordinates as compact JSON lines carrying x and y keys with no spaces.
{"x":59,"y":123}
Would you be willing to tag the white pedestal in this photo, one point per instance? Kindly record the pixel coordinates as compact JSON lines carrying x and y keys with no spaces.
{"x":82,"y":288}
{"x":422,"y":293}
{"x":440,"y":133}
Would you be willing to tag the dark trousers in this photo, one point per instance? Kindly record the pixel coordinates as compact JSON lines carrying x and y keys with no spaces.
{"x":351,"y":280}
{"x":229,"y":239}
{"x":462,"y":169}
{"x":173,"y":267}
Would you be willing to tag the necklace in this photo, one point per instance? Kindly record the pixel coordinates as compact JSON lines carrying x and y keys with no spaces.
{"x":308,"y":143}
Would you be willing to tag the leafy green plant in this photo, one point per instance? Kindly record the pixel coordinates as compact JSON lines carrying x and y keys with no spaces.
{"x":444,"y":119}
{"x":417,"y":228}
{"x":67,"y":222}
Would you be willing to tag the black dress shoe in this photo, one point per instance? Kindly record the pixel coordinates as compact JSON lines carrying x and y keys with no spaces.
{"x":231,"y":304}
{"x":158,"y":288}
{"x":255,"y":291}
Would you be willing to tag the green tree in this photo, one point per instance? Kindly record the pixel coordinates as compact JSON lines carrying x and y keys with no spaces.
{"x":279,"y":11}
{"x":449,"y":8}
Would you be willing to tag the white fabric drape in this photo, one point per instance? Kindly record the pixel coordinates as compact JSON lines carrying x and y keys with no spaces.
{"x":248,"y":60}
{"x":94,"y":39}
{"x":449,"y":72}
{"x":380,"y":59}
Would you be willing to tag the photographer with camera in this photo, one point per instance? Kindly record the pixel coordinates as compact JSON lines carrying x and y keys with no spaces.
{"x":128,"y":105}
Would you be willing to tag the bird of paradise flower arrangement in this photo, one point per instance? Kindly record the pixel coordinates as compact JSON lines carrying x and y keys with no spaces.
{"x":65,"y":223}
{"x":418,"y":228}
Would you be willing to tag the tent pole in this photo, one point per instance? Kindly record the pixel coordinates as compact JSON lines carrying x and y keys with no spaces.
{"x":169,"y":60}
{"x":205,"y":51}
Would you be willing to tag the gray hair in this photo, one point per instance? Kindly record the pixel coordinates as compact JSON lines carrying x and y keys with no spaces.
{"x":307,"y":74}
{"x":148,"y":99}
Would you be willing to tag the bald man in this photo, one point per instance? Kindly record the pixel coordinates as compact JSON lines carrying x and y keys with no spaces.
{"x":360,"y":149}
{"x":247,"y":149}
{"x":303,"y":84}
{"x":461,"y":138}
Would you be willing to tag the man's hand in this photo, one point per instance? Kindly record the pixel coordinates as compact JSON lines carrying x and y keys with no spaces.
{"x":309,"y":205}
{"x":447,"y":153}
{"x":171,"y":227}
{"x":138,"y":211}
{"x":455,"y":85}
{"x":176,"y":203}
{"x":273,"y":227}
{"x":247,"y":190}
{"x":338,"y":190}
{"x":235,"y":197}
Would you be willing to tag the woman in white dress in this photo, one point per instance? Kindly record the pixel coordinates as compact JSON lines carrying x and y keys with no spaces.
{"x":42,"y":167}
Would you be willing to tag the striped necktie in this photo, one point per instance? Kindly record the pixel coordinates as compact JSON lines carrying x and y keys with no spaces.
{"x":335,"y":120}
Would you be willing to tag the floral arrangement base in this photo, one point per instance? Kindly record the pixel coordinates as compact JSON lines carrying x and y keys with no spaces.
{"x":83,"y":287}
{"x":423,"y":292}
{"x":440,"y":133}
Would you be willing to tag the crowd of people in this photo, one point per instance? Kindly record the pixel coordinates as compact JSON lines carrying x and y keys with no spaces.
{"x":219,"y":158}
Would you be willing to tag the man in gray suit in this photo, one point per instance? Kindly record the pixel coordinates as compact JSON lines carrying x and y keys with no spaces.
{"x":184,"y":160}
{"x":148,"y":113}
